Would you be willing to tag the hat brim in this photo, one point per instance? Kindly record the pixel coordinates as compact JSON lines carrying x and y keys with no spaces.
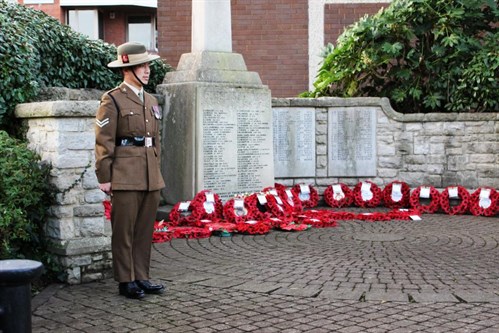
{"x":120,"y":64}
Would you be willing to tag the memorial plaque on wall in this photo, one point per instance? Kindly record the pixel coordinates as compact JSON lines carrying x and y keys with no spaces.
{"x":352,"y":142}
{"x":235,"y":142}
{"x":294,"y":142}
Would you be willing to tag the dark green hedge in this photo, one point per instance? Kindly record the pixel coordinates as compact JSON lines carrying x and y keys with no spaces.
{"x":425,"y":55}
{"x":37,"y":51}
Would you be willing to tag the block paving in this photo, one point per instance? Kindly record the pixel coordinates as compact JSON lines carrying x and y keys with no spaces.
{"x":440,"y":274}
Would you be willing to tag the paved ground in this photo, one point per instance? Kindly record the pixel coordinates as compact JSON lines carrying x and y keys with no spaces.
{"x":440,"y":274}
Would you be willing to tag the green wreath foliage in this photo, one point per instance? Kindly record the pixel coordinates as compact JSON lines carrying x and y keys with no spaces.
{"x":425,"y":55}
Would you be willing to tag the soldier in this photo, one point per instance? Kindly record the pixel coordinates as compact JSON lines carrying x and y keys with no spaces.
{"x":127,"y":153}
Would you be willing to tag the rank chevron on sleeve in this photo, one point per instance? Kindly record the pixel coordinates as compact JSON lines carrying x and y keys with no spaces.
{"x":102,"y":123}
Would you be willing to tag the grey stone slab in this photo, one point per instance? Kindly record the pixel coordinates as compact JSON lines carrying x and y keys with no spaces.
{"x":391,"y":295}
{"x":220,"y":282}
{"x":342,"y":294}
{"x":478,"y":296}
{"x":259,"y":287}
{"x":432,"y":297}
{"x":298,"y":291}
{"x":190,"y":278}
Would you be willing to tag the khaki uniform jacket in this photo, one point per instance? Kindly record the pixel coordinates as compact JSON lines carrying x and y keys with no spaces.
{"x":122,"y":114}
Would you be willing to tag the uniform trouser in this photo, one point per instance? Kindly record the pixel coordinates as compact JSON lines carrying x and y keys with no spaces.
{"x":132,"y":218}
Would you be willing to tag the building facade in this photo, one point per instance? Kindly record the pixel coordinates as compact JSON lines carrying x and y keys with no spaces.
{"x":282,"y":40}
{"x":114,"y":21}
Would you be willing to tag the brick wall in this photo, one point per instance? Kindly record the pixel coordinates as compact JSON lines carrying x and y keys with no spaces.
{"x":272,"y":36}
{"x":53,"y":10}
{"x":115,"y":29}
{"x":340,"y":15}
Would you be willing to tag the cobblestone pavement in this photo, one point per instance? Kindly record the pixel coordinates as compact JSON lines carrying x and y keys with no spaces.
{"x":440,"y":274}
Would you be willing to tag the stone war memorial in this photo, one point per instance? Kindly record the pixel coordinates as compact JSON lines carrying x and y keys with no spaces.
{"x":217,"y":129}
{"x":262,"y":163}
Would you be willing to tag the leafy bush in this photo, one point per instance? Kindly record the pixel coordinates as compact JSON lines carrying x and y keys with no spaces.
{"x":425,"y":55}
{"x":37,"y":51}
{"x":25,"y":194}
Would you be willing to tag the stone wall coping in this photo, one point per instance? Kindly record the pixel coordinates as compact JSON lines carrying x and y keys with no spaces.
{"x":57,"y":109}
{"x":384,"y":103}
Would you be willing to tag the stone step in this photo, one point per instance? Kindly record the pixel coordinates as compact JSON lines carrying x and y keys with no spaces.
{"x":163,"y":212}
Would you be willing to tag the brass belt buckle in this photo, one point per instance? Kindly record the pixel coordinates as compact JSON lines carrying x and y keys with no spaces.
{"x":148,"y":142}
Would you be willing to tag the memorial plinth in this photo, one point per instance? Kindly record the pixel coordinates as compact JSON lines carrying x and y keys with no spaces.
{"x":217,"y":128}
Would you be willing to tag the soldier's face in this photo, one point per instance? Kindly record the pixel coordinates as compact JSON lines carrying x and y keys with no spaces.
{"x":141,"y":71}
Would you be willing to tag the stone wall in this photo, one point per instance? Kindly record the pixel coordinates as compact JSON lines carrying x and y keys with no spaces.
{"x":62,"y":133}
{"x":436,"y":149}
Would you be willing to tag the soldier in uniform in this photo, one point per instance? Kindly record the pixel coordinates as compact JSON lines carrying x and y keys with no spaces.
{"x":127,"y":151}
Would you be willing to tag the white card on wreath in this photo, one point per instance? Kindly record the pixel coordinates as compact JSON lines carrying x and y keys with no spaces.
{"x":210,"y":197}
{"x":304,"y":189}
{"x":425,"y":192}
{"x":396,"y":192}
{"x":238,"y":203}
{"x":278,"y":199}
{"x":453,"y":192}
{"x":338,"y":192}
{"x":261,"y":199}
{"x":209,"y":207}
{"x":484,"y":201}
{"x":184,"y":205}
{"x":365,"y":191}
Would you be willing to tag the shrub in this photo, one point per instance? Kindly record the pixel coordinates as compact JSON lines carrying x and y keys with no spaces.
{"x":425,"y":55}
{"x":25,"y":194}
{"x":37,"y":51}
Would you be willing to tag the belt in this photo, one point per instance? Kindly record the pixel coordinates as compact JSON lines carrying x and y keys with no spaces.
{"x":140,"y":141}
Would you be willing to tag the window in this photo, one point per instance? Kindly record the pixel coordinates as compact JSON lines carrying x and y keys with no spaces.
{"x":142,"y":29}
{"x":85,"y":22}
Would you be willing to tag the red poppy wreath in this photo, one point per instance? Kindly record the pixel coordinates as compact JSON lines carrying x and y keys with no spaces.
{"x":207,"y":205}
{"x":257,"y":207}
{"x":338,"y":195}
{"x":458,"y":194}
{"x":425,"y":199}
{"x":396,"y":194}
{"x":367,"y":194}
{"x":290,"y":199}
{"x":484,"y":201}
{"x":276,"y":205}
{"x":235,"y":210}
{"x":253,"y":227}
{"x":181,"y":213}
{"x":307,"y":194}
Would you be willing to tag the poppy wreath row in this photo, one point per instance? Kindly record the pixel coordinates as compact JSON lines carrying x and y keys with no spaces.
{"x":238,"y":214}
{"x":207,"y":209}
{"x":338,"y":195}
{"x":462,"y":195}
{"x":484,"y":201}
{"x":390,"y":196}
{"x":253,"y":227}
{"x":181,"y":214}
{"x":310,"y":199}
{"x":278,"y":207}
{"x":425,"y":193}
{"x":290,"y":199}
{"x":373,"y":198}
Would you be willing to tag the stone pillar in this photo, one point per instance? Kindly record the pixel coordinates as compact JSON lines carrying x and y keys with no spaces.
{"x":62,"y":133}
{"x":211,"y":26}
{"x":217,"y":129}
